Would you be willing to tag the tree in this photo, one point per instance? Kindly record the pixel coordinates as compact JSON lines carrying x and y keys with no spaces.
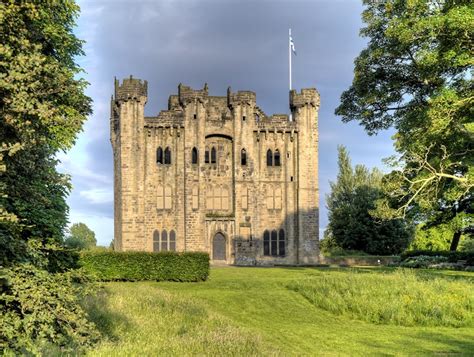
{"x":351,"y":226}
{"x":43,"y":107}
{"x":80,"y":237}
{"x":416,"y":76}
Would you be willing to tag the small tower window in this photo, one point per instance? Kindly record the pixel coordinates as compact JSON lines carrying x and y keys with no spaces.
{"x":266,"y":243}
{"x":213,"y":155}
{"x":269,"y":158}
{"x":172,"y":247}
{"x":195,"y":116}
{"x":243,"y":118}
{"x":194,"y":156}
{"x":274,"y":244}
{"x":164,"y":241}
{"x":257,"y":117}
{"x":277,"y":158}
{"x":156,"y":241}
{"x":243,"y":157}
{"x":159,"y":155}
{"x":281,"y":243}
{"x":167,"y":156}
{"x":206,"y":156}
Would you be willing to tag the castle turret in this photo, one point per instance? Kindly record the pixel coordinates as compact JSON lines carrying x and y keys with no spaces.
{"x":304,"y":107}
{"x":127,"y":136}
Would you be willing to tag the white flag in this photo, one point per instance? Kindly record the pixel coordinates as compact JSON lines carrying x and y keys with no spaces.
{"x":292,"y":45}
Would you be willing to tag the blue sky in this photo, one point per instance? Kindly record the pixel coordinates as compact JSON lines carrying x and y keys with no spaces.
{"x":237,"y":43}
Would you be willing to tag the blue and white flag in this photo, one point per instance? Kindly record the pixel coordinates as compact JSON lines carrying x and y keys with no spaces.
{"x":292,"y":45}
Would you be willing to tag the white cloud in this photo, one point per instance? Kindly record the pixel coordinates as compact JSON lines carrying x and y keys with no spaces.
{"x":98,"y":195}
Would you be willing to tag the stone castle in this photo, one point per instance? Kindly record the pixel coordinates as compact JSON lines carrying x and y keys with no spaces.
{"x":216,"y":174}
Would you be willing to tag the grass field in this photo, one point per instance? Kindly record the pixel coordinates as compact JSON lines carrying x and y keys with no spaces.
{"x":258,"y":311}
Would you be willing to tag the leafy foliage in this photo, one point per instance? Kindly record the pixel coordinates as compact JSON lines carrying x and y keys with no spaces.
{"x":351,"y":226}
{"x":40,"y":310}
{"x":453,"y":257}
{"x":136,"y":266}
{"x":400,"y":298}
{"x":416,"y":75}
{"x":43,"y":107}
{"x":80,"y":237}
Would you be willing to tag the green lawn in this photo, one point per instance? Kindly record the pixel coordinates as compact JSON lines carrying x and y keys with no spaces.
{"x":251,"y":311}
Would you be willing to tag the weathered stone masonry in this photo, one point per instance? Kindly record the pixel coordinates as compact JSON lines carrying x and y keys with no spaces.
{"x":216,"y":174}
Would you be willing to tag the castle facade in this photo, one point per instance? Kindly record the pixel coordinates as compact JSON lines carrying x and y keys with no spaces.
{"x":216,"y":174}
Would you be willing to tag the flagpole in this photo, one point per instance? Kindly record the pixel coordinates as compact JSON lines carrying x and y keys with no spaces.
{"x":289,"y":54}
{"x":289,"y":63}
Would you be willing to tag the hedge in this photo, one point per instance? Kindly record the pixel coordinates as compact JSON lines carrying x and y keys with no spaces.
{"x":136,"y":266}
{"x":453,"y":257}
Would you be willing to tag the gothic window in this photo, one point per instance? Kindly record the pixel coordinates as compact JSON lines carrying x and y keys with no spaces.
{"x":277,"y":198}
{"x":159,"y":155}
{"x":225,"y":198}
{"x":209,"y":198}
{"x":245,"y":198}
{"x":266,"y":243}
{"x":269,"y":158}
{"x":206,"y":156}
{"x":213,"y":155}
{"x":160,"y":198}
{"x":270,"y":193}
{"x":243,"y":157}
{"x":277,"y":158}
{"x":195,"y":202}
{"x":164,"y":241}
{"x":168,"y":197}
{"x":156,"y":241}
{"x":194,"y":156}
{"x":172,"y":246}
{"x":167,"y":156}
{"x":281,"y":243}
{"x":274,"y":243}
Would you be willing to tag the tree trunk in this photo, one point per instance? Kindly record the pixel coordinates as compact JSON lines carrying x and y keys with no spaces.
{"x":455,"y":241}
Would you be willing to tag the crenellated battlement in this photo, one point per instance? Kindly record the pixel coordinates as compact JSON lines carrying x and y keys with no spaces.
{"x":307,"y":96}
{"x":131,"y":88}
{"x":187,"y":94}
{"x":241,"y":97}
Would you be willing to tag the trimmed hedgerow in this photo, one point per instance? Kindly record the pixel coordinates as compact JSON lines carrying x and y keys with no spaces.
{"x":452,"y":257}
{"x":136,"y":266}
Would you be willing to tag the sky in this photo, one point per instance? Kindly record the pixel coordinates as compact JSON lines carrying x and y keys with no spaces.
{"x":237,"y":43}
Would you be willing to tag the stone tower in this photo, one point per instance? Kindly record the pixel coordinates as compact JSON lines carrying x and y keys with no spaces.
{"x":216,"y":174}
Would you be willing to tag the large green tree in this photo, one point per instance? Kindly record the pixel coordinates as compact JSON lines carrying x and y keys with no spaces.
{"x":351,"y":225}
{"x":42,"y":109}
{"x":81,"y":237}
{"x":416,"y":75}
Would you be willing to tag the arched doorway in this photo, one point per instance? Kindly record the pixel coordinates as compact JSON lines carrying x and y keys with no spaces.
{"x":219,"y":247}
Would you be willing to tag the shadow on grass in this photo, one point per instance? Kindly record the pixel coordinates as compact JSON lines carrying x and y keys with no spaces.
{"x":100,"y":313}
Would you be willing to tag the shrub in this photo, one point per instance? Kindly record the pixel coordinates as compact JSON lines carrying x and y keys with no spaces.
{"x":399,"y":298}
{"x":136,"y":266}
{"x":423,"y":261}
{"x":452,"y":257}
{"x":40,"y":311}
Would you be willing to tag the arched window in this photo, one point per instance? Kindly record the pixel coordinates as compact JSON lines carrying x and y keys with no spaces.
{"x":172,"y":241}
{"x":213,"y":155}
{"x":160,"y":202}
{"x":225,"y":200}
{"x":164,"y":241}
{"x":159,"y":155}
{"x":281,"y":243}
{"x":168,"y":197}
{"x":156,"y":241}
{"x":243,"y":157}
{"x":277,"y":158}
{"x":266,"y":243}
{"x":206,"y":156}
{"x":194,"y":156}
{"x":269,"y":158}
{"x":274,"y":244}
{"x":167,"y":156}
